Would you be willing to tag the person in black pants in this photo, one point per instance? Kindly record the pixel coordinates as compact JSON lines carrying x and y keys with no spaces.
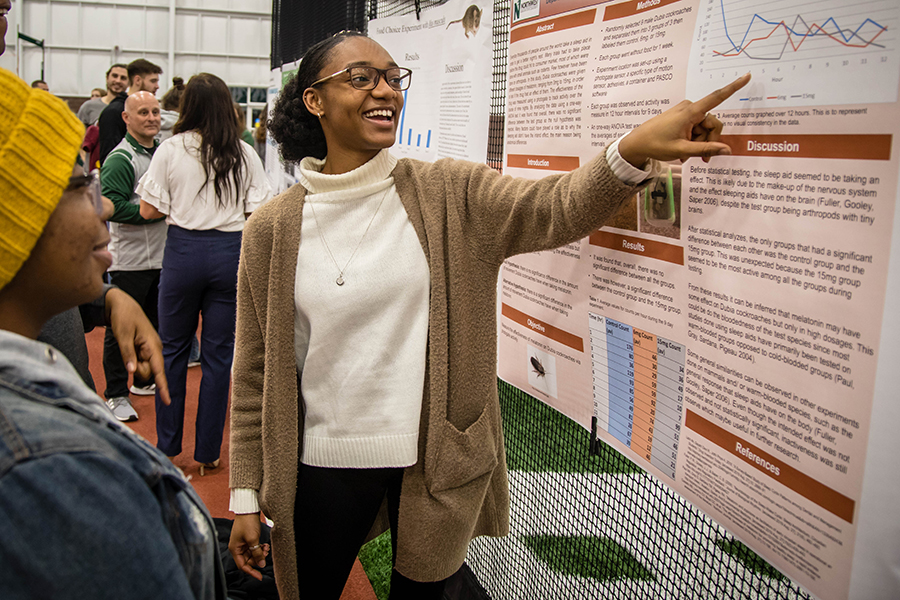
{"x":387,"y":380}
{"x":137,"y":244}
{"x":331,"y":517}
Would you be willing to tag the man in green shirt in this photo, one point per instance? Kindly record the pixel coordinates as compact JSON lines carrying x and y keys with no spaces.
{"x":137,"y":244}
{"x":143,"y":76}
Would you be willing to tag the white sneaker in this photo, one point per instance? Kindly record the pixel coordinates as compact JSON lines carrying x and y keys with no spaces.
{"x":122,"y":409}
{"x":147,"y":390}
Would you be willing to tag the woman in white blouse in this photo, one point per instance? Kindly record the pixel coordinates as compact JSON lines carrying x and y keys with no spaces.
{"x":205,"y":181}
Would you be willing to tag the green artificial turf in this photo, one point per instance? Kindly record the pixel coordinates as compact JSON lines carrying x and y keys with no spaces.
{"x":749,"y":558}
{"x":542,"y":439}
{"x":376,"y":561}
{"x":592,"y":557}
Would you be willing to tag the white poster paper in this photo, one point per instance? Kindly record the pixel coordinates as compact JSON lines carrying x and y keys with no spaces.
{"x":447,"y":107}
{"x":725,"y":329}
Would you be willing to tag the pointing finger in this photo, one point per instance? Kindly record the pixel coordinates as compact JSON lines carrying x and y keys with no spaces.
{"x":159,"y":376}
{"x":126,"y":348}
{"x":706,"y":104}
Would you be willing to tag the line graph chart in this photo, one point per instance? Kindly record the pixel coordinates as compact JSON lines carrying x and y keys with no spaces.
{"x":802,"y":31}
{"x":801,"y":52}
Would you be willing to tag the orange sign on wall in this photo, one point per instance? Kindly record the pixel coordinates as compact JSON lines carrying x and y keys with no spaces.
{"x":639,"y":246}
{"x":843,"y":146}
{"x":546,"y":329}
{"x":566,"y":22}
{"x":832,"y":501}
{"x":547,"y":163}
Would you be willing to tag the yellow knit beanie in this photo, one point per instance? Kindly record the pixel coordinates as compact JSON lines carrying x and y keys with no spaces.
{"x":39,"y":143}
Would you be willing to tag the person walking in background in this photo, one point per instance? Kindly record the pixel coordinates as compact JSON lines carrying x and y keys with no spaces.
{"x":241,"y":117}
{"x":40,"y":84}
{"x":205,"y":181}
{"x":89,"y":113}
{"x":137,"y":244}
{"x":259,"y":137}
{"x":171,"y":103}
{"x":116,"y":83}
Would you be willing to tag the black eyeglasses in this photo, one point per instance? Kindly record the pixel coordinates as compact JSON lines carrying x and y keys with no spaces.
{"x":93,"y":181}
{"x":367,"y":78}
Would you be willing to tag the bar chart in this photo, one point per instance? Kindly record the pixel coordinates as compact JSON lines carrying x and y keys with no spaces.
{"x":638,"y":382}
{"x":405,"y":132}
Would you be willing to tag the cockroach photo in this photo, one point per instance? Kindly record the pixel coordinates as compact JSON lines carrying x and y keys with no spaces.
{"x":538,"y":367}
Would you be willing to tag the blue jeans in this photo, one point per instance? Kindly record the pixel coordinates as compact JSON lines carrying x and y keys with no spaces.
{"x":199,"y":275}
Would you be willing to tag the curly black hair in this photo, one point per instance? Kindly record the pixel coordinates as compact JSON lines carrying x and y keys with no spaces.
{"x":297,"y":130}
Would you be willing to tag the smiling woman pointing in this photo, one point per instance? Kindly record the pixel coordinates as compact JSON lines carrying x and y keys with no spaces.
{"x":365,"y":366}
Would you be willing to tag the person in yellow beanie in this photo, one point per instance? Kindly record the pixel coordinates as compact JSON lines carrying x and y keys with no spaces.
{"x":89,"y":508}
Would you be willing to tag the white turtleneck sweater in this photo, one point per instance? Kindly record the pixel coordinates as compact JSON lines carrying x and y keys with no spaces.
{"x":360,"y":347}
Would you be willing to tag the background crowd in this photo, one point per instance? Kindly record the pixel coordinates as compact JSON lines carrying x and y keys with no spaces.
{"x":126,"y":128}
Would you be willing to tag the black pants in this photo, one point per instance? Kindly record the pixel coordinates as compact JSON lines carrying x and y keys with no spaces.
{"x":333,"y":512}
{"x":143,"y":286}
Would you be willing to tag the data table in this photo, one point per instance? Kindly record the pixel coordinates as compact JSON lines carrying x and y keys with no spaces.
{"x":638,"y":389}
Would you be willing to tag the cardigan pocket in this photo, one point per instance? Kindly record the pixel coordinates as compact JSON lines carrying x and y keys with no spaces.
{"x":463,"y":455}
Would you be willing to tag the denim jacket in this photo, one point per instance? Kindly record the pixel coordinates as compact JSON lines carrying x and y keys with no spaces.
{"x":88,"y":509}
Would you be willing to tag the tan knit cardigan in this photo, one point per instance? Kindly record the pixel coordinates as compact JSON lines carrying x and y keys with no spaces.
{"x":468,"y":219}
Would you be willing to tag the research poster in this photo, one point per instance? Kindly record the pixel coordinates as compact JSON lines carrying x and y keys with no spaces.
{"x":447,"y":107}
{"x":725,"y":329}
{"x":281,"y":176}
{"x":275,"y":169}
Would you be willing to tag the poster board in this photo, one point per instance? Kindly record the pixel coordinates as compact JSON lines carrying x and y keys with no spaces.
{"x":726,"y":330}
{"x":281,"y":175}
{"x":447,"y":106}
{"x":274,"y":167}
